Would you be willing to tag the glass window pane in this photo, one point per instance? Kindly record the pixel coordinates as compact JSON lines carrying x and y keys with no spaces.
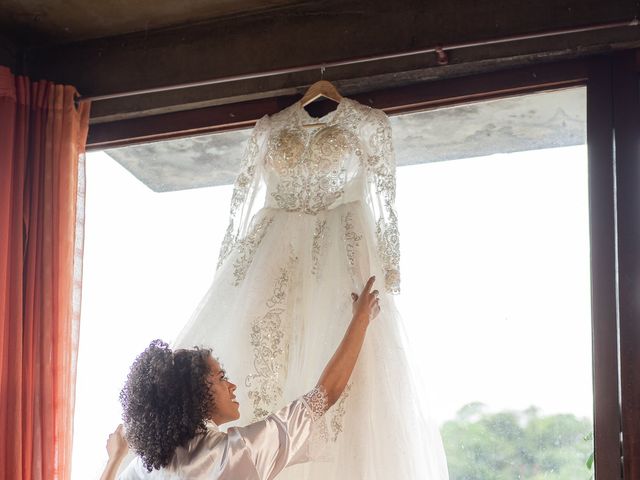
{"x":496,"y":299}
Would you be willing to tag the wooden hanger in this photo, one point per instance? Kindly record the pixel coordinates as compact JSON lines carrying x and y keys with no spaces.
{"x":322,"y":88}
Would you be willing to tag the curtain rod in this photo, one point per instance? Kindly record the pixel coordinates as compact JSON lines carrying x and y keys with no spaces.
{"x":440,"y":51}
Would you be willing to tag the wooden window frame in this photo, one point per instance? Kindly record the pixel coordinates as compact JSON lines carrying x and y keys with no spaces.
{"x":613,"y":119}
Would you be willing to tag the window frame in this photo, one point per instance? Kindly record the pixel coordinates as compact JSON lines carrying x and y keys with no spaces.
{"x":613,"y":119}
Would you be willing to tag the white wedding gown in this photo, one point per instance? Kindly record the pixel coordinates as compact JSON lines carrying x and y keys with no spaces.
{"x":312,"y":217}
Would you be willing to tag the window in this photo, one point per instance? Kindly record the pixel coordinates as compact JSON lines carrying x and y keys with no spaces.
{"x":492,"y":205}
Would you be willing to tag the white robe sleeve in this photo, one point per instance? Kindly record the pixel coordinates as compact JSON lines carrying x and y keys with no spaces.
{"x":259,"y":451}
{"x":381,"y":195}
{"x":134,"y":471}
{"x":294,"y":434}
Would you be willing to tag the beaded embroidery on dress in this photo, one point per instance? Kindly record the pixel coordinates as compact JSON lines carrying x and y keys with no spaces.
{"x":312,"y":216}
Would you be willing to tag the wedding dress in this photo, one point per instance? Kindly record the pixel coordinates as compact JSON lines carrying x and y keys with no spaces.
{"x":312,"y":217}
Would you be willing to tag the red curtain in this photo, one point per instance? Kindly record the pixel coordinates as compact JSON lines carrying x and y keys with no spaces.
{"x":42,"y":141}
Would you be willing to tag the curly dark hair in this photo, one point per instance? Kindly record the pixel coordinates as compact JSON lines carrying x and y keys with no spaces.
{"x":166,"y":401}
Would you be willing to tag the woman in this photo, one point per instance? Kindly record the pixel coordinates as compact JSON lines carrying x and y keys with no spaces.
{"x":175,"y":432}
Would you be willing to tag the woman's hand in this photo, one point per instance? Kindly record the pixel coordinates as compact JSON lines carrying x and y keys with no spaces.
{"x":366,"y":306}
{"x":117,"y":445}
{"x":117,"y":448}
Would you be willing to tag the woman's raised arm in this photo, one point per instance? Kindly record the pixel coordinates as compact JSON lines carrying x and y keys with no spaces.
{"x":336,"y":374}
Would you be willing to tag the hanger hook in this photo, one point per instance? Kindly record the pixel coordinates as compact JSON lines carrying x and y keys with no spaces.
{"x":322,"y":69}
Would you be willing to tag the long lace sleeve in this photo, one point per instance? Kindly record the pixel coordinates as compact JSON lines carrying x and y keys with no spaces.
{"x":246,"y":188}
{"x":381,"y":173}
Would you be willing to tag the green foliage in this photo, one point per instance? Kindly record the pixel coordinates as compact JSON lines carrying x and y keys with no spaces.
{"x":512,"y":445}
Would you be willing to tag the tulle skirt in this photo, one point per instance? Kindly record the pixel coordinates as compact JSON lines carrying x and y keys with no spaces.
{"x":278,"y":307}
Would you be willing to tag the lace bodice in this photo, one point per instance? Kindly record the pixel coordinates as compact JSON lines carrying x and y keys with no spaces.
{"x":308,"y":168}
{"x":298,"y":163}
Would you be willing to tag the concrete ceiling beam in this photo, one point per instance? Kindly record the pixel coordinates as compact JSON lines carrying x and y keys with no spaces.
{"x":306,"y":34}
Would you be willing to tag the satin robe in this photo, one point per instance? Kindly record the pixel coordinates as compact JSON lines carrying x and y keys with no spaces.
{"x":258,"y":451}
